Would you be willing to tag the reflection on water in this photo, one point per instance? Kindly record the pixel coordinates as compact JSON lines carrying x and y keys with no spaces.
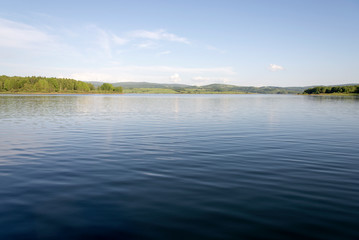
{"x":178,"y":167}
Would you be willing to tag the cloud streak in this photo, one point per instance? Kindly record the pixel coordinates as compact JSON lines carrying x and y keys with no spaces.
{"x":146,"y":45}
{"x":212,"y":48}
{"x":23,"y":36}
{"x":200,"y":80}
{"x":275,"y":68}
{"x":176,"y":78}
{"x":96,"y":54}
{"x":158,"y":35}
{"x":140,"y":39}
{"x":156,"y":74}
{"x":19,"y":35}
{"x":164,"y":53}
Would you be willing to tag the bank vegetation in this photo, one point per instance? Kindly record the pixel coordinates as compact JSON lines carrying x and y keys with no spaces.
{"x":52,"y":85}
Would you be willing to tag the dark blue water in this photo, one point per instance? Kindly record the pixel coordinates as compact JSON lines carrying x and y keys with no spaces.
{"x":179,"y":167}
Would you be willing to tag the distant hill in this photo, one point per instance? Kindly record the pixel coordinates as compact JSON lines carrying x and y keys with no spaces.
{"x":96,"y":84}
{"x":211,"y":88}
{"x":248,"y":89}
{"x":149,"y":85}
{"x":206,"y":88}
{"x":48,"y":85}
{"x":144,"y":85}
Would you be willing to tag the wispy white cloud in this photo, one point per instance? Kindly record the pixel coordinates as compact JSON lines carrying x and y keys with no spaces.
{"x":91,"y":76}
{"x":162,"y":74}
{"x":168,"y":69}
{"x":120,"y":73}
{"x":176,"y":78}
{"x":164,"y":53}
{"x":158,"y":35}
{"x":106,"y":40}
{"x":200,"y":80}
{"x":212,"y":48}
{"x":146,"y":45}
{"x":34,"y":43}
{"x":103,"y":40}
{"x":141,"y":39}
{"x":72,"y":53}
{"x":105,"y":46}
{"x":274,"y":67}
{"x":118,"y":40}
{"x":19,"y":35}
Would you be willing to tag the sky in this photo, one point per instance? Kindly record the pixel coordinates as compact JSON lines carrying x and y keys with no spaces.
{"x":240,"y":42}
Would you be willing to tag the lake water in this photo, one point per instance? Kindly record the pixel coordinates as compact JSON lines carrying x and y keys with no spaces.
{"x":179,"y":167}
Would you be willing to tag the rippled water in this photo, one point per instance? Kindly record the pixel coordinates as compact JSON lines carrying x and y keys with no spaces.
{"x":179,"y":167}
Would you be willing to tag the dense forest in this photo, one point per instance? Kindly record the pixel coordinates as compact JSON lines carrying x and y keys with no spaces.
{"x":333,"y":89}
{"x":52,"y":85}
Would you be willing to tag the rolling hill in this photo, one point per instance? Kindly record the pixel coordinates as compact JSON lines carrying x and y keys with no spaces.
{"x":147,"y":87}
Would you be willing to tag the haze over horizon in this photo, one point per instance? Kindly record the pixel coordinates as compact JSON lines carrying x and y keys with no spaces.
{"x":245,"y":43}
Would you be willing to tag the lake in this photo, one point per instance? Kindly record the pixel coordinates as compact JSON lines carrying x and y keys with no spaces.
{"x":179,"y":167}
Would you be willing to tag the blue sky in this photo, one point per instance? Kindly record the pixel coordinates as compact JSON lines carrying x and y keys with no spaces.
{"x":246,"y":43}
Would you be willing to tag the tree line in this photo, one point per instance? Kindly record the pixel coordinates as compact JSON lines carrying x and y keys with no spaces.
{"x":52,"y":85}
{"x":335,"y":89}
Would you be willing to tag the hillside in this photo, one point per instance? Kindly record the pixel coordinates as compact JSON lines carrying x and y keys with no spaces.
{"x":143,"y":85}
{"x":149,"y":85}
{"x":146,"y":87}
{"x":248,"y":89}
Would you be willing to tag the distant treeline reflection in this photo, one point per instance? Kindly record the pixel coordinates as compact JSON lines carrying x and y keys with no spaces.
{"x":52,"y":85}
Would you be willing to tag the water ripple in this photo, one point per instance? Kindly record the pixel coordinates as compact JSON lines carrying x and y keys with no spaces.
{"x":178,"y":167}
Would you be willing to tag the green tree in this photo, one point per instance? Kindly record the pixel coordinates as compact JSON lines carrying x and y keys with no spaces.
{"x":42,"y":86}
{"x":28,"y":87}
{"x":335,"y":89}
{"x":8,"y":84}
{"x":82,"y":86}
{"x":54,"y":84}
{"x":118,"y":89}
{"x":91,"y":86}
{"x":106,"y":87}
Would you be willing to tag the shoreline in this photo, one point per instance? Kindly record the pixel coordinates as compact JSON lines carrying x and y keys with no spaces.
{"x":332,"y":94}
{"x":179,"y":93}
{"x":57,"y":93}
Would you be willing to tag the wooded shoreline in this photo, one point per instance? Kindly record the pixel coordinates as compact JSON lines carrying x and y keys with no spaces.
{"x":54,"y":86}
{"x":44,"y":85}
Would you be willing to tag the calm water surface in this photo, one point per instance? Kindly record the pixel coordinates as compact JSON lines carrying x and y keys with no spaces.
{"x":179,"y":167}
